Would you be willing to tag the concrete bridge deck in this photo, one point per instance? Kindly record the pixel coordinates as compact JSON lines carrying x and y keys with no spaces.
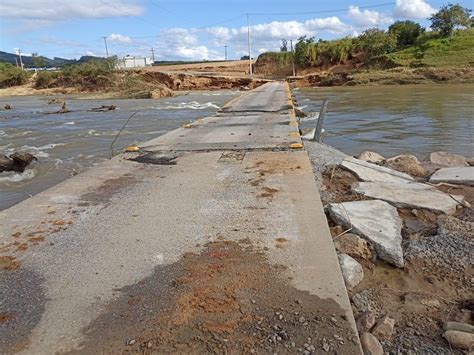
{"x":213,"y":239}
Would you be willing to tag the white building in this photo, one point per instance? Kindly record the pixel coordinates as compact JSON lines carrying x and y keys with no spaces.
{"x":134,"y":62}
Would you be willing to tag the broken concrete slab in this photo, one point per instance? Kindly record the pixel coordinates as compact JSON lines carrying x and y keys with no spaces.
{"x":352,"y":271}
{"x":448,"y":159}
{"x":460,"y":175}
{"x":376,"y":221}
{"x":370,"y":172}
{"x":410,"y":195}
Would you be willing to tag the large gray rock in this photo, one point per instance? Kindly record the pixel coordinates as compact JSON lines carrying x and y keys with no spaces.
{"x":408,"y":164}
{"x":371,"y":157}
{"x":384,"y":328}
{"x":365,"y":321}
{"x":16,"y":162}
{"x":409,"y":195}
{"x":459,"y":339}
{"x":371,"y":172}
{"x":448,"y":159}
{"x":5,"y":163}
{"x":353,"y":245}
{"x":460,"y":327}
{"x":370,"y":344}
{"x":352,"y":271}
{"x":462,"y":176}
{"x":376,"y":221}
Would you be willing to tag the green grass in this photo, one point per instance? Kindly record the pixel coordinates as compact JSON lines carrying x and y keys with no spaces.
{"x":454,"y":51}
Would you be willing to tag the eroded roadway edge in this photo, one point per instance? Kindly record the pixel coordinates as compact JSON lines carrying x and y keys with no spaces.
{"x":68,"y":251}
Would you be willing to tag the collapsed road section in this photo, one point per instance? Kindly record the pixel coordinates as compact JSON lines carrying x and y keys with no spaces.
{"x":211,"y":238}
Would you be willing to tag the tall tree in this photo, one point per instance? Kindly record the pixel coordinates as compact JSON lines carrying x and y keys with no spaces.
{"x":377,"y":42}
{"x":406,"y":31}
{"x":301,"y":50}
{"x":449,"y":17}
{"x":284,"y":45}
{"x":38,"y":62}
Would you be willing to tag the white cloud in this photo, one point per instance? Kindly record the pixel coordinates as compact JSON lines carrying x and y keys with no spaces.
{"x":116,"y":37}
{"x":367,"y":18}
{"x":267,"y":36}
{"x":329,"y":24}
{"x":183,"y":44}
{"x":413,"y":9}
{"x":41,"y":13}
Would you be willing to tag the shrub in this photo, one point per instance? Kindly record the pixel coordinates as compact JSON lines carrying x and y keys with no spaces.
{"x":407,"y":32}
{"x":47,"y":79}
{"x":376,"y":42}
{"x":12,"y":76}
{"x":92,"y":75}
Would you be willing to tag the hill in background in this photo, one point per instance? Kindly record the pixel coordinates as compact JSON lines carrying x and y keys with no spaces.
{"x":48,"y":62}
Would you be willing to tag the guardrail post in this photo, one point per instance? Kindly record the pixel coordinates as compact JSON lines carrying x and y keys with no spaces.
{"x":319,"y":126}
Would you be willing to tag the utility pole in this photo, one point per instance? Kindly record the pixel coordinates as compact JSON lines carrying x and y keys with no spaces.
{"x":106,"y":49}
{"x":21,"y":61}
{"x":225,"y":49}
{"x":250,"y":46}
{"x":153,"y":54}
{"x":293,"y":57}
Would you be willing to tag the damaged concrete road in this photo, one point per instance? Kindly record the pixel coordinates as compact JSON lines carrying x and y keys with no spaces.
{"x":223,"y":250}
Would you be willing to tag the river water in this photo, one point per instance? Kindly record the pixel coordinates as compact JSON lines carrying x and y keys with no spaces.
{"x":393,"y":120}
{"x":390,"y":120}
{"x":68,"y":143}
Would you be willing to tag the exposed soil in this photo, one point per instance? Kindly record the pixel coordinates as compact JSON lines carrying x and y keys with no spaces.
{"x":227,"y":299}
{"x":337,"y":184}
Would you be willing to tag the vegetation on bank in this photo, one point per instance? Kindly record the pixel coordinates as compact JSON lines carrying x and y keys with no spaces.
{"x":93,"y":75}
{"x":12,"y":76}
{"x":404,"y":44}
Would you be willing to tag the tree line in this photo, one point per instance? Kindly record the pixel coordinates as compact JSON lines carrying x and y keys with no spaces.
{"x":374,"y":42}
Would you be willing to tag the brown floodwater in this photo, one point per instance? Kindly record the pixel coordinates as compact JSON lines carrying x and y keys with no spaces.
{"x":69,"y":143}
{"x":392,"y":120}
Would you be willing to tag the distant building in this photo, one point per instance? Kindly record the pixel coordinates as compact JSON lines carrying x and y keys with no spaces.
{"x":134,"y":62}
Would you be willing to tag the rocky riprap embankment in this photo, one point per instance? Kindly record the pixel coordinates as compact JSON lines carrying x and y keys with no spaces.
{"x":404,"y":231}
{"x":16,"y":162}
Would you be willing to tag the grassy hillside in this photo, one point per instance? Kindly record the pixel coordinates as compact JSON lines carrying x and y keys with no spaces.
{"x":431,"y":59}
{"x":455,"y":51}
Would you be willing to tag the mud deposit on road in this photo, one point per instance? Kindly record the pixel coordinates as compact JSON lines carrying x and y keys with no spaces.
{"x":226,"y":299}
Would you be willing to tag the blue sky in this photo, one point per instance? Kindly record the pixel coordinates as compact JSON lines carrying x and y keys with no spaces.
{"x":189,"y":30}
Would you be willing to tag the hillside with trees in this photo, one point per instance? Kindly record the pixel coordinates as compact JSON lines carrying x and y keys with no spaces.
{"x":405,"y":47}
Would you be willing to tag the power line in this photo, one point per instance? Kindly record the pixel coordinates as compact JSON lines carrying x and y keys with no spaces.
{"x":222,"y":22}
{"x":320,"y":11}
{"x":128,"y":14}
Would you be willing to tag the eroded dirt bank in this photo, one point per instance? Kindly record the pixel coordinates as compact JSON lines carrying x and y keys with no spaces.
{"x":140,"y":83}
